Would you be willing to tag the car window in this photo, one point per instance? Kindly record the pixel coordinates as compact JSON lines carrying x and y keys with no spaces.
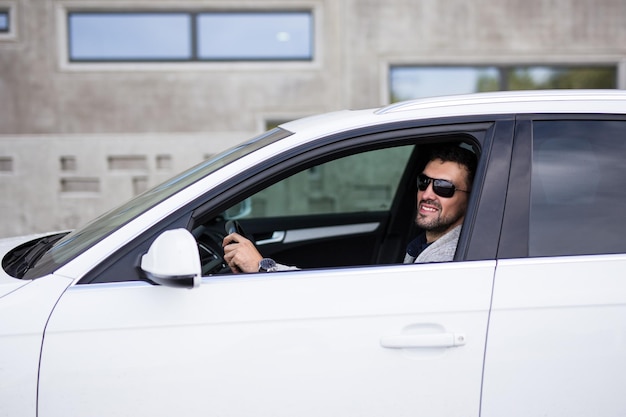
{"x":79,"y":240}
{"x":362,"y":182}
{"x":578,"y":188}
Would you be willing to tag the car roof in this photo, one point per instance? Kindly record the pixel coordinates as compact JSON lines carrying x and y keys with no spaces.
{"x":496,"y":103}
{"x":545,"y":100}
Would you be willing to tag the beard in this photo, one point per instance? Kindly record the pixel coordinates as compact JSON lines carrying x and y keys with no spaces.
{"x":438,"y":224}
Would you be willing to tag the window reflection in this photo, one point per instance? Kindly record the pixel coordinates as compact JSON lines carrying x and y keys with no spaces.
{"x":190,"y":36}
{"x":578,"y":188}
{"x":252,"y":36}
{"x":417,"y":82}
{"x":129,"y":36}
{"x":364,"y":182}
{"x":4,"y":21}
{"x":534,"y":78}
{"x":409,"y":82}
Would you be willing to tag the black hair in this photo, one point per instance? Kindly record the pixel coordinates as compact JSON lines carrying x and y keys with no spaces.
{"x":458,"y":154}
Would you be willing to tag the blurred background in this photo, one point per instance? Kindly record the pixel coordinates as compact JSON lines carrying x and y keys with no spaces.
{"x":103,"y":99}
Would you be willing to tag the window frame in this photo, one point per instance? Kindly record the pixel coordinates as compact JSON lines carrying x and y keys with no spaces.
{"x":128,"y":13}
{"x":10,"y":9}
{"x":514,"y":242}
{"x":65,"y":12}
{"x":5,"y":13}
{"x":248,"y":182}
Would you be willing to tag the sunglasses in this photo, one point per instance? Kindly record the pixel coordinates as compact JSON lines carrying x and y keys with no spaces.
{"x":443,"y":188}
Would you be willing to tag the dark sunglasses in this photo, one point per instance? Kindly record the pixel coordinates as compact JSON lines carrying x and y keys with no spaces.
{"x":443,"y":188}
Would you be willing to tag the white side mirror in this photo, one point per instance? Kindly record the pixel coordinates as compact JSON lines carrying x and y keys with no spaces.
{"x":173,"y":260}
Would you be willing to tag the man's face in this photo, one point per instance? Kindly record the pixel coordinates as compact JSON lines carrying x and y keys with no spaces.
{"x":438,"y":215}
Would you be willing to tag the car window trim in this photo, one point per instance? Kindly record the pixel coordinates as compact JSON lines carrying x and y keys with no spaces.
{"x":480,"y":237}
{"x":514,"y":239}
{"x":371,"y":137}
{"x":329,"y":148}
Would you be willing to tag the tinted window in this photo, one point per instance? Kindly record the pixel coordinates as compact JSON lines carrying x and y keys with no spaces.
{"x":578,"y":188}
{"x":357,"y":183}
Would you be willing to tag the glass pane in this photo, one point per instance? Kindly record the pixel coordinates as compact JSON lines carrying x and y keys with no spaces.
{"x":417,"y":82}
{"x":129,"y":36}
{"x":255,"y":36}
{"x":534,"y":78}
{"x":4,"y":21}
{"x":357,"y":183}
{"x":81,"y":239}
{"x":578,"y":188}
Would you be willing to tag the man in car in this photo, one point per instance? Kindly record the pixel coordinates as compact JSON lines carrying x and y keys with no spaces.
{"x":443,"y":190}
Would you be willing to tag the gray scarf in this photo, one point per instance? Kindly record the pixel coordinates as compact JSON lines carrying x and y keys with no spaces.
{"x":441,"y":250}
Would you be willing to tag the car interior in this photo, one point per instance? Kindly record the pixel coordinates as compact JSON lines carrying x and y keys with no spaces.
{"x":355,"y":209}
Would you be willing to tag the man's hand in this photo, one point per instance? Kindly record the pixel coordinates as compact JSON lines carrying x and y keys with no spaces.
{"x":240,"y":254}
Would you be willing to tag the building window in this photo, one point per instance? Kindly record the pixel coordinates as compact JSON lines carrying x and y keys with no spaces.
{"x":409,"y":82}
{"x":255,"y":36}
{"x":129,"y":36}
{"x":4,"y":21}
{"x":187,"y":36}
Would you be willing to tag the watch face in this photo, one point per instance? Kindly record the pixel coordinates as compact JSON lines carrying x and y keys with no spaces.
{"x":267,"y":265}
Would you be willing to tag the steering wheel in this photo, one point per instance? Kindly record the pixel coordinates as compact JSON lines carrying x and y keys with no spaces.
{"x":210,"y":247}
{"x":233,"y":226}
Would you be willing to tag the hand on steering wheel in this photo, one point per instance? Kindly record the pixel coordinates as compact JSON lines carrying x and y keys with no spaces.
{"x":239,"y":252}
{"x":210,"y":243}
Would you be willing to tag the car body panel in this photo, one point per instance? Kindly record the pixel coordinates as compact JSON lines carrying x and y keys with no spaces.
{"x":283,"y":339}
{"x":557,"y":330}
{"x":24,"y":316}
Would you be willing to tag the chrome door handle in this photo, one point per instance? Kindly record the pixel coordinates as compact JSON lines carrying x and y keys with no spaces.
{"x":277,"y":237}
{"x":412,"y":341}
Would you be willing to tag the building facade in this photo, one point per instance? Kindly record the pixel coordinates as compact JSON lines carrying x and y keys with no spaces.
{"x":102,"y":99}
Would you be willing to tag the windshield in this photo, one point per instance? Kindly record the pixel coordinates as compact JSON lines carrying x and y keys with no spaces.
{"x":78,"y":241}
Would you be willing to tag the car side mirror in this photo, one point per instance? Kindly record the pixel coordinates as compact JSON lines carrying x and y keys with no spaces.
{"x":173,"y":260}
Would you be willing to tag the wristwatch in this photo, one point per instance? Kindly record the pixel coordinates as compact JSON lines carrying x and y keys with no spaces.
{"x":267,"y":265}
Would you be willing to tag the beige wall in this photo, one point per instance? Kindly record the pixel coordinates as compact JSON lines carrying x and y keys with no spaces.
{"x":76,"y":140}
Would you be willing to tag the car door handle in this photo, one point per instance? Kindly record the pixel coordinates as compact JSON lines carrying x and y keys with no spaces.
{"x":277,"y":237}
{"x":411,"y":341}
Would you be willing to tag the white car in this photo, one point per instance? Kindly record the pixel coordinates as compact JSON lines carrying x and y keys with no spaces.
{"x":136,"y":313}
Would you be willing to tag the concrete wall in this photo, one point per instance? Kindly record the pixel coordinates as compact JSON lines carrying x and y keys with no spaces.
{"x":78,"y":139}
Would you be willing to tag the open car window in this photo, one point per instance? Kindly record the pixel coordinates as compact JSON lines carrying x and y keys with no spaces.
{"x":357,"y":209}
{"x":331,"y":214}
{"x":340,"y":205}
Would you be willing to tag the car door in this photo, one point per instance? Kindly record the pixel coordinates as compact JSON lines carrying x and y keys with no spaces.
{"x":358,"y":340}
{"x":369,"y":341}
{"x":557,"y":332}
